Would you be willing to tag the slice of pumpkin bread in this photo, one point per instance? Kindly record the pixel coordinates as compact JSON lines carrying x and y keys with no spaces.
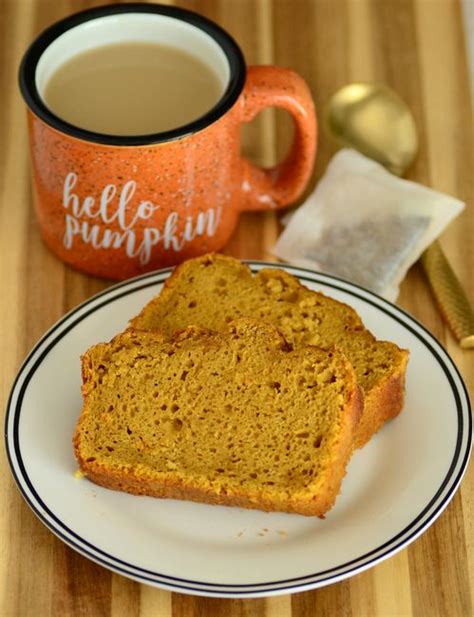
{"x":212,"y":290}
{"x":233,"y":418}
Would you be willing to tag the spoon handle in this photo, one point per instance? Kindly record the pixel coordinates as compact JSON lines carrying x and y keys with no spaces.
{"x":449,"y":294}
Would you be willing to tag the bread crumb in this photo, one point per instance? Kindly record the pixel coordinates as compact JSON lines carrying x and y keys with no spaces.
{"x":240,"y":534}
{"x":282,"y":533}
{"x":78,"y":474}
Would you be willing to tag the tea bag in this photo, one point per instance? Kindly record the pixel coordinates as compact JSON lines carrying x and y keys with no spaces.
{"x":365,"y":225}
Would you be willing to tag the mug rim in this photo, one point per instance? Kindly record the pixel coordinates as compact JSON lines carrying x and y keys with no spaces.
{"x":29,"y":90}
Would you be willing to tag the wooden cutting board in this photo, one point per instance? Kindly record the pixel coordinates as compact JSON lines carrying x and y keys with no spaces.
{"x":417,"y":48}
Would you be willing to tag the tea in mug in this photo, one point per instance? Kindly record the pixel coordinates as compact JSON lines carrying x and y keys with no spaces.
{"x":132,"y":88}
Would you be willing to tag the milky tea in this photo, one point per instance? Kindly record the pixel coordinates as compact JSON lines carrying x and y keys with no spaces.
{"x":132,"y":88}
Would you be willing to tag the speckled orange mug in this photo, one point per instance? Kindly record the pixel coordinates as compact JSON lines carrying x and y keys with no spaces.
{"x":119,"y":206}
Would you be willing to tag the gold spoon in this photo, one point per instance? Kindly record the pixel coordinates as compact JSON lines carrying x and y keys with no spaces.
{"x":372,"y":119}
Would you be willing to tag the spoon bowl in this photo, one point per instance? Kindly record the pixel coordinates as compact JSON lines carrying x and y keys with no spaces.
{"x":372,"y":119}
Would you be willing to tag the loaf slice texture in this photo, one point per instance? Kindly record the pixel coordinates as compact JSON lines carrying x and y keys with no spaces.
{"x":212,"y":290}
{"x":233,"y":418}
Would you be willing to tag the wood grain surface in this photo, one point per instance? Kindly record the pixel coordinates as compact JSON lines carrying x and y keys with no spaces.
{"x":415,"y":46}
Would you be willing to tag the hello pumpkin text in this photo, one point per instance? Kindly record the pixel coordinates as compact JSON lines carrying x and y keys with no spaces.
{"x":88,"y":221}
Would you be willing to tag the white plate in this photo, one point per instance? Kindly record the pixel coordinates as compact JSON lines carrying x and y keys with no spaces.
{"x":394,"y":489}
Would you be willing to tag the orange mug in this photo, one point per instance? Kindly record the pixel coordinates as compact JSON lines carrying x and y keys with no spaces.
{"x":116,"y":206}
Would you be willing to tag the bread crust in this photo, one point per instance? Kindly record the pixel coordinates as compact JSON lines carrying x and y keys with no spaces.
{"x":382,"y":404}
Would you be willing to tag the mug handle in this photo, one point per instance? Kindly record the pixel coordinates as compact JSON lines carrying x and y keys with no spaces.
{"x":279,"y":186}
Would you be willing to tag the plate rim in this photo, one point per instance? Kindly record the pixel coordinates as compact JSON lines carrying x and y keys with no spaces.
{"x":426,"y":517}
